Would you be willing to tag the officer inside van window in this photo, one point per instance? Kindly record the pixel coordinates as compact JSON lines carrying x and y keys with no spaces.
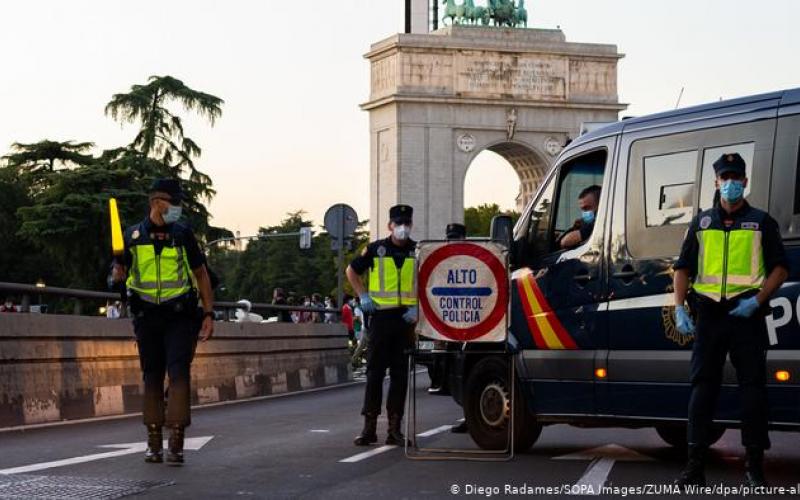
{"x":733,"y":259}
{"x":588,"y":201}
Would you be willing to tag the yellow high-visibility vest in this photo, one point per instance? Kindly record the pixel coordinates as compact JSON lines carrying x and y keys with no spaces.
{"x":728,"y":263}
{"x":390,"y":286}
{"x":159,"y":278}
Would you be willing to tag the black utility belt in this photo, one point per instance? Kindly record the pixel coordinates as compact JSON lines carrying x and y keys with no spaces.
{"x":183,"y":304}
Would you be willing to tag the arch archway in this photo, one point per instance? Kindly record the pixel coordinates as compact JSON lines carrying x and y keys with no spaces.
{"x":528,"y":166}
{"x":437,"y":100}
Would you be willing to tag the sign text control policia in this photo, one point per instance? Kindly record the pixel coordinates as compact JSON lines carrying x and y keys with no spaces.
{"x":463,"y":291}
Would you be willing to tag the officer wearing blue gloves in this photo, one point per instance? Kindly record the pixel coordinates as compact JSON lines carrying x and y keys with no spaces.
{"x":391,"y":303}
{"x":733,"y":256}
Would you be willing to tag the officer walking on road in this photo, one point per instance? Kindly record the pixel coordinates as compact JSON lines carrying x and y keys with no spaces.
{"x":165,"y":270}
{"x":391,"y":303}
{"x":734,"y":258}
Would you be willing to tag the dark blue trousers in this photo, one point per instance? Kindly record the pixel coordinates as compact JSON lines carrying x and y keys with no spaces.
{"x":719,"y":334}
{"x":166,"y":342}
{"x":390,"y":339}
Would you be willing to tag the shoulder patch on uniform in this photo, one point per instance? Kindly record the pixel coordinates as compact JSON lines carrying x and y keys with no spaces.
{"x":381,"y":251}
{"x":135,"y":234}
{"x":705,"y":222}
{"x":750,"y":225}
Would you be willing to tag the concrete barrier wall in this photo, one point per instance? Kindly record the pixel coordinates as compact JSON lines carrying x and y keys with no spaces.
{"x":56,"y":367}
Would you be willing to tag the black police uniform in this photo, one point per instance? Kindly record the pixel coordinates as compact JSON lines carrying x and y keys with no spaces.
{"x":719,"y":333}
{"x":390,"y":338}
{"x":166,"y":334}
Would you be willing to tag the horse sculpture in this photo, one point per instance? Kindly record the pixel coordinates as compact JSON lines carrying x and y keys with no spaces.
{"x":522,"y":14}
{"x":503,"y":12}
{"x":456,"y":13}
{"x":476,"y":14}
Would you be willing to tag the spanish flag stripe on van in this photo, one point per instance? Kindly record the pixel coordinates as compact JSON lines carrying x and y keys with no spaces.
{"x":547,"y":330}
{"x":526,"y":307}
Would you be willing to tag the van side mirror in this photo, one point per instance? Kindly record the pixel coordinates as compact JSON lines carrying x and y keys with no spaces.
{"x":502,"y":230}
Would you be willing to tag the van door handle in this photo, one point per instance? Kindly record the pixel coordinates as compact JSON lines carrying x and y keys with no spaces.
{"x":582,"y":276}
{"x":626,"y":274}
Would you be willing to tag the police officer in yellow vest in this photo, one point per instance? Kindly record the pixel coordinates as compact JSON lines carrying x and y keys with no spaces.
{"x":165,"y":270}
{"x":391,"y":303}
{"x":733,"y":259}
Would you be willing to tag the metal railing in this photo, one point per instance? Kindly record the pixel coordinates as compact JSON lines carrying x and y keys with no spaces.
{"x":27,"y":291}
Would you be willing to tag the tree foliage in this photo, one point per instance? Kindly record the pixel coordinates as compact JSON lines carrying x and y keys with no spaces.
{"x":161,"y":135}
{"x":56,"y":219}
{"x":478,"y":219}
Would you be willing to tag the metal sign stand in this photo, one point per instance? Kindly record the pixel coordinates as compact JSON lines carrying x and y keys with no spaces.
{"x":415,"y":452}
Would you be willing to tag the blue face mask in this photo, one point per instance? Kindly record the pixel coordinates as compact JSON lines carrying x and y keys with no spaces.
{"x":172,"y":215}
{"x":731,"y":190}
{"x":587,"y":216}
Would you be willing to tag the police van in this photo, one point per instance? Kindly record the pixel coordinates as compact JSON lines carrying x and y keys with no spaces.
{"x":591,"y":328}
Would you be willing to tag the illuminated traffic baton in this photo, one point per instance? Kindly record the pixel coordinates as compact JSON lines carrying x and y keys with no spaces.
{"x":117,"y":245}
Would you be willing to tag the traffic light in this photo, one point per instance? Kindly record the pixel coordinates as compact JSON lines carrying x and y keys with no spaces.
{"x":305,"y":238}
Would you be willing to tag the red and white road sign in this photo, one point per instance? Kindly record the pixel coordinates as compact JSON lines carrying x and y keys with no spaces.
{"x":463,"y":291}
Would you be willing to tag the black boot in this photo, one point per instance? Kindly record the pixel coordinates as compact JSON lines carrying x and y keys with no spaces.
{"x":694,"y":472}
{"x":754,"y":468}
{"x":369,"y":435}
{"x":175,"y":449}
{"x":154,"y":453}
{"x":395,"y":435}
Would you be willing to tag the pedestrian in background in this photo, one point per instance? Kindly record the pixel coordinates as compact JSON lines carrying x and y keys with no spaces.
{"x":8,"y":306}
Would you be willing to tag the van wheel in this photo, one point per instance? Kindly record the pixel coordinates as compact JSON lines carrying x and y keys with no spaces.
{"x":675,"y":434}
{"x":487,"y":407}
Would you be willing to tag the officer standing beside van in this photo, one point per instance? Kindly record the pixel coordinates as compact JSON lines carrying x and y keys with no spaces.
{"x":391,"y":303}
{"x":733,"y":259}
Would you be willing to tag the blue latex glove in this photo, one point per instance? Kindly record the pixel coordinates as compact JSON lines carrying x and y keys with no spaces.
{"x":411,"y":315}
{"x":367,"y":304}
{"x":745,"y":308}
{"x":683,"y":322}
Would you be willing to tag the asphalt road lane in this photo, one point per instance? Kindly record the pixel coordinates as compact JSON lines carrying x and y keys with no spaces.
{"x":293,"y":447}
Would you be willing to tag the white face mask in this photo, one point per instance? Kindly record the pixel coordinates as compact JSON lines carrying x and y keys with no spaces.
{"x":173,"y":214}
{"x":401,"y":232}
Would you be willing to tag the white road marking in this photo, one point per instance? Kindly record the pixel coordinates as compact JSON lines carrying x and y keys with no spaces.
{"x":320,"y":430}
{"x":384,"y":449}
{"x":433,"y":432}
{"x":595,"y":476}
{"x":603,"y":459}
{"x":125,"y":449}
{"x":367,"y":454}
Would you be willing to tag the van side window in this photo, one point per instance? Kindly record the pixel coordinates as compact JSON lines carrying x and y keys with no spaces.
{"x":540,"y":219}
{"x":558,"y":210}
{"x":710,"y":155}
{"x":669,"y":188}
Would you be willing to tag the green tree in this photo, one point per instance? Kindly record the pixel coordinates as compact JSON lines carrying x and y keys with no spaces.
{"x":161,"y":135}
{"x":44,"y":155}
{"x":478,"y":220}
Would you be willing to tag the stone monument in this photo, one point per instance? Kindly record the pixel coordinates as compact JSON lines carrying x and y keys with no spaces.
{"x":439,"y":99}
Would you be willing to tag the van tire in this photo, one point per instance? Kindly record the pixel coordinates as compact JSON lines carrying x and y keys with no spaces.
{"x":487,"y":407}
{"x":675,"y":435}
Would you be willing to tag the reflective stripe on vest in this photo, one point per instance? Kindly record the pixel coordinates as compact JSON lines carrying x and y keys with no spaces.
{"x":159,"y":278}
{"x":728,"y":263}
{"x":390,"y":286}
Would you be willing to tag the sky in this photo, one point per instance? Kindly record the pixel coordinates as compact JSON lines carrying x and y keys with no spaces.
{"x":292,"y":75}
